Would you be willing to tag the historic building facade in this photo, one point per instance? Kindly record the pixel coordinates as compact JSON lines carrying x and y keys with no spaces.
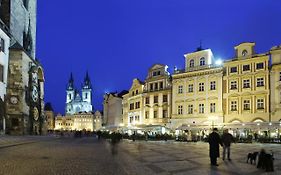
{"x":197,"y":91}
{"x":50,"y":116}
{"x":112,"y":109}
{"x":157,"y":96}
{"x":25,"y":84}
{"x":74,"y":102}
{"x":246,"y":86}
{"x":275,"y":84}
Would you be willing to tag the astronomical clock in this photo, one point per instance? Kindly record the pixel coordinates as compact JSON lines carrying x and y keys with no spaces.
{"x":35,"y":101}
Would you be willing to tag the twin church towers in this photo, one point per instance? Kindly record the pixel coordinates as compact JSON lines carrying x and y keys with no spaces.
{"x":74,"y":102}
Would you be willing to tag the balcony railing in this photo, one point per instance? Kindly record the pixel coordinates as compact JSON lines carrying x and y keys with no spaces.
{"x":197,"y":68}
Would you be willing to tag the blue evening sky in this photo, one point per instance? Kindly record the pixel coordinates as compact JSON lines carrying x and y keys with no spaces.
{"x":118,"y":40}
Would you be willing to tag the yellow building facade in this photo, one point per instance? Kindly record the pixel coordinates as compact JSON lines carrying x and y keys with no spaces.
{"x":246,"y":86}
{"x":197,"y":91}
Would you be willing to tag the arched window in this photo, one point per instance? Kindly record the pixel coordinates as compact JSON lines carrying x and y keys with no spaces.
{"x":191,"y":63}
{"x":202,"y":61}
{"x":244,"y":53}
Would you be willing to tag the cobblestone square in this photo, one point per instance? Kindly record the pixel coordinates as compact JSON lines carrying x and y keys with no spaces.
{"x":50,"y":155}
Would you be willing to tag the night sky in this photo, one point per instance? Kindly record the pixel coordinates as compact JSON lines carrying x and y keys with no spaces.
{"x":118,"y":40}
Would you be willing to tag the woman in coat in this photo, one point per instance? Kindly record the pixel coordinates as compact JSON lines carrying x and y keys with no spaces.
{"x":214,"y":142}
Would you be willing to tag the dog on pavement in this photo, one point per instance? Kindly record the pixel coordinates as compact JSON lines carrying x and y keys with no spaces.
{"x":252,"y":157}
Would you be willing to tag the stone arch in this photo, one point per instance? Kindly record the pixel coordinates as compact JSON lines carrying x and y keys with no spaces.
{"x":40,"y":74}
{"x":235,"y":121}
{"x":256,"y":120}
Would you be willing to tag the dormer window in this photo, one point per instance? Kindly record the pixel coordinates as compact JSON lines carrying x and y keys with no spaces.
{"x":202,"y":61}
{"x":244,"y":53}
{"x":191,"y":63}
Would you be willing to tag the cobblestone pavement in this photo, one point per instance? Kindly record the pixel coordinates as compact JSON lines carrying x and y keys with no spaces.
{"x":180,"y":158}
{"x":69,"y":156}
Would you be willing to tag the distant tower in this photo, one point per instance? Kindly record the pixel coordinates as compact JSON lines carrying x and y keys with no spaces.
{"x":87,"y":93}
{"x":70,"y":92}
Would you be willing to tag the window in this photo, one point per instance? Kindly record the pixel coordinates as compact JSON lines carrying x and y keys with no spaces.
{"x":259,"y":66}
{"x":161,"y":85}
{"x":202,"y":61}
{"x":213,"y":85}
{"x":86,"y":95}
{"x":233,"y":106}
{"x":246,"y":104}
{"x":131,"y":119}
{"x":190,"y":109}
{"x":131,"y":106}
{"x":201,"y":108}
{"x":165,"y":98}
{"x":246,"y":83}
{"x":244,"y":53}
{"x":233,"y":69}
{"x":158,"y":73}
{"x":190,"y":88}
{"x":233,"y":85}
{"x":213,"y":108}
{"x":180,"y":109}
{"x":156,"y":86}
{"x":137,"y":105}
{"x":260,"y":103}
{"x":155,"y":114}
{"x":180,"y":89}
{"x":2,"y":45}
{"x":147,"y":100}
{"x":165,"y":113}
{"x":246,"y":67}
{"x":191,"y":63}
{"x":201,"y":87}
{"x":146,"y":114}
{"x":137,"y":118}
{"x":133,"y":93}
{"x":137,"y":92}
{"x":279,"y":76}
{"x":155,"y":99}
{"x":154,"y":73}
{"x":260,"y":82}
{"x":151,"y":87}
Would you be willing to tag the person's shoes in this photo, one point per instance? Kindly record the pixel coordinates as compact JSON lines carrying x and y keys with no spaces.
{"x":229,"y":159}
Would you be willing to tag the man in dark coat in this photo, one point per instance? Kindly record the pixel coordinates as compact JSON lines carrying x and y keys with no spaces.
{"x":226,"y":139}
{"x":214,"y":142}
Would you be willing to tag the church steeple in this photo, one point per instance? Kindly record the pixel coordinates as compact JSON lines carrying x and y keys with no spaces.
{"x":87,"y":82}
{"x":70,"y":85}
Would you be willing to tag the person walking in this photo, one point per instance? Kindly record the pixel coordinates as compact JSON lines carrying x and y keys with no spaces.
{"x":214,"y":142}
{"x":227,"y":139}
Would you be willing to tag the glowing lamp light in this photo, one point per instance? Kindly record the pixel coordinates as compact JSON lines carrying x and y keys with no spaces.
{"x":258,"y":124}
{"x":270,"y":124}
{"x":218,"y":62}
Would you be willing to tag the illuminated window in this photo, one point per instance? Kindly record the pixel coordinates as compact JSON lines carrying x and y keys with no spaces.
{"x":246,"y":83}
{"x":190,"y":109}
{"x":190,"y":88}
{"x":201,"y":87}
{"x":246,"y":67}
{"x":213,"y":85}
{"x":259,"y":66}
{"x":233,"y":69}
{"x":202,"y":61}
{"x":180,"y":89}
{"x":191,"y":63}
{"x":233,"y":85}
{"x":246,"y":104}
{"x":180,"y":109}
{"x":260,"y":103}
{"x":233,"y":106}
{"x":213,"y":107}
{"x":201,"y":109}
{"x":260,"y":82}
